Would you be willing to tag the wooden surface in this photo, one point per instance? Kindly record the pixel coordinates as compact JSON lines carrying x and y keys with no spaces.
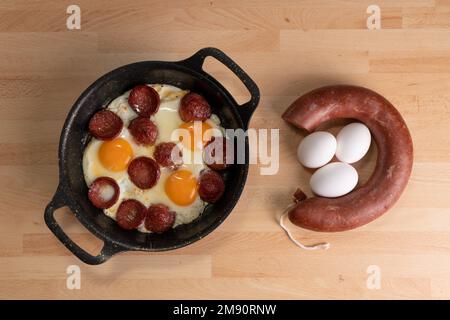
{"x":288,"y":47}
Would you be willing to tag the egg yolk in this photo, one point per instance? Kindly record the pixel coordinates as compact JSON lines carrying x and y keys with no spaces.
{"x":197,"y":134}
{"x":181,"y":187}
{"x":115,"y":155}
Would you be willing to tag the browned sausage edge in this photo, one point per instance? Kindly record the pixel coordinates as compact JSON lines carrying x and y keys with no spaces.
{"x":394,"y":160}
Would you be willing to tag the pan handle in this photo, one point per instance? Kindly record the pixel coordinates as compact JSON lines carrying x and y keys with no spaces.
{"x":58,"y":201}
{"x":196,"y":62}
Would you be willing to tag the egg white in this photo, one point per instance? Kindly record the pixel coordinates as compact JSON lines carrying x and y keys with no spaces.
{"x":167,"y":120}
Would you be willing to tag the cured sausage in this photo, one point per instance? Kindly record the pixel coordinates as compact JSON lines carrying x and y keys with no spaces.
{"x":217,"y":153}
{"x":211,"y":186}
{"x":144,"y":100}
{"x":168,"y":154}
{"x":144,"y":172}
{"x":159,"y":218}
{"x":144,"y":131}
{"x":394,"y":161}
{"x":193,"y":107}
{"x":130,"y":214}
{"x":103,"y":192}
{"x":105,"y":125}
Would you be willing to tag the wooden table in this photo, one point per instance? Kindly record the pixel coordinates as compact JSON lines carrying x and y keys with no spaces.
{"x":288,"y":47}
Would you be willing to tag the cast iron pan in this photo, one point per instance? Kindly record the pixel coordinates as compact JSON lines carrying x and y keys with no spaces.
{"x":72,"y":189}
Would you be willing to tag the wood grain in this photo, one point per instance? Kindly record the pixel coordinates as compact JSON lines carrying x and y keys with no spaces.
{"x":288,"y":47}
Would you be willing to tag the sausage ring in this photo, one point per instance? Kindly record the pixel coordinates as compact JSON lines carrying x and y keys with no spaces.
{"x":394,"y":160}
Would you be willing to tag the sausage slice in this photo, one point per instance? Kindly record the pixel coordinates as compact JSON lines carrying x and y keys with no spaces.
{"x":130,"y":214}
{"x":211,"y":186}
{"x":159,"y":218}
{"x":218,"y":153}
{"x":144,"y":172}
{"x":144,"y":100}
{"x":144,"y":131}
{"x":168,"y":154}
{"x":103,"y":192}
{"x":193,"y":107}
{"x":105,"y":125}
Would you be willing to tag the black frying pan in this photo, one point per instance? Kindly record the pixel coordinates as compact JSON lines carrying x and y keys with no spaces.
{"x":72,"y":189}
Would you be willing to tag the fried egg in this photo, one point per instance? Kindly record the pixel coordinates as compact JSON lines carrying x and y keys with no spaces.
{"x":176,"y":189}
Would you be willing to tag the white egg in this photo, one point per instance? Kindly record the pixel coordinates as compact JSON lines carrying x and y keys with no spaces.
{"x":353,"y":142}
{"x":316,"y":149}
{"x":334,"y":180}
